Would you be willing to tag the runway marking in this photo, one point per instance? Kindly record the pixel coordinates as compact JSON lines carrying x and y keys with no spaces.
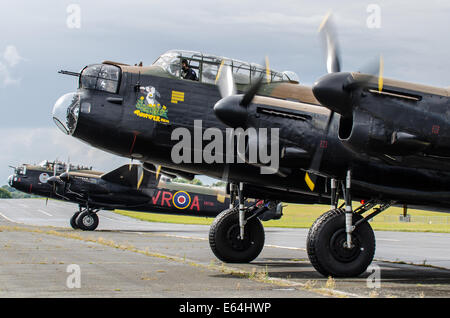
{"x":23,"y":205}
{"x":286,"y":247}
{"x":105,"y":217}
{"x":7,"y":218}
{"x":389,"y":240}
{"x":186,"y":237}
{"x":205,"y":239}
{"x":46,"y":213}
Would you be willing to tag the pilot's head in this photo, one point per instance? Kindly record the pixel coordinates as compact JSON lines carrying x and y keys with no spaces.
{"x":184,"y":64}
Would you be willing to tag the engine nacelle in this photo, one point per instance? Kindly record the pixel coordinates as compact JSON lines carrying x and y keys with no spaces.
{"x":362,"y":132}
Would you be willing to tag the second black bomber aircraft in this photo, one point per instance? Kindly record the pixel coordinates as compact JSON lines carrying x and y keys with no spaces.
{"x":128,"y":187}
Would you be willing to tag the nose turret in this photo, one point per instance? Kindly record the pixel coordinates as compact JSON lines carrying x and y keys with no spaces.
{"x":11,"y":180}
{"x":66,"y":112}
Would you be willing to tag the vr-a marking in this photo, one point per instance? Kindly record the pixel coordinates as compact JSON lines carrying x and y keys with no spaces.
{"x":165,"y":197}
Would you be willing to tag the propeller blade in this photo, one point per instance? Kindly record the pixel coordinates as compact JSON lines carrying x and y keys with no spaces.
{"x":311,"y":178}
{"x":268,"y":73}
{"x":380,"y":74}
{"x":225,"y":81}
{"x":46,"y":201}
{"x":68,"y":165}
{"x":140,"y":176}
{"x":253,"y":90}
{"x":328,"y":34}
{"x":158,"y":170}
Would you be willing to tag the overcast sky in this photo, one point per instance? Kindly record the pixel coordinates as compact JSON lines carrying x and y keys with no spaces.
{"x":37,"y":41}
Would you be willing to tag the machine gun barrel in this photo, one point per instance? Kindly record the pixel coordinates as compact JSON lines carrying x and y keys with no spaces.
{"x":69,"y":73}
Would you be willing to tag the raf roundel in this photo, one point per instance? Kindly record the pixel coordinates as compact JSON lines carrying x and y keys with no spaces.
{"x":181,"y":200}
{"x":43,"y":177}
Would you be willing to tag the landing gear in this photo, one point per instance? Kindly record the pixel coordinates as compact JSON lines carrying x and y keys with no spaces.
{"x":225,"y":238}
{"x":237,"y":234}
{"x":327,"y":245}
{"x":341,"y":243}
{"x":87,"y":220}
{"x":73,"y":220}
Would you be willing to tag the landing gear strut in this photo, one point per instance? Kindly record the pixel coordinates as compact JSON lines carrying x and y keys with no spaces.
{"x":341,"y":243}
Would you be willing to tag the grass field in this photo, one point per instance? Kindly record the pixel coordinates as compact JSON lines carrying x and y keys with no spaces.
{"x":302,"y":216}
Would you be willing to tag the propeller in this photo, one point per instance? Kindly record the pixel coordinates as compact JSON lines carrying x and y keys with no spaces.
{"x":333,"y":63}
{"x":232,"y":108}
{"x":140,"y":175}
{"x":225,"y":81}
{"x":65,"y":176}
{"x":52,"y":180}
{"x":334,"y":89}
{"x":328,"y":34}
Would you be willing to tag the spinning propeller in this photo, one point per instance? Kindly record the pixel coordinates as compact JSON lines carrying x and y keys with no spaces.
{"x":334,"y":90}
{"x":232,"y":108}
{"x":139,"y":173}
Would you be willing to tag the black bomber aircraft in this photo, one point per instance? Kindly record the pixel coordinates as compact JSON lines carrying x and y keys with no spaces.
{"x":128,"y":187}
{"x":352,"y":136}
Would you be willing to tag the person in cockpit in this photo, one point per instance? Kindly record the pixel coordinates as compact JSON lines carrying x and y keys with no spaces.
{"x":187,"y":72}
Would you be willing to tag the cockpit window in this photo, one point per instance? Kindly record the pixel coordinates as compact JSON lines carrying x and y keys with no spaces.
{"x":171,"y":62}
{"x":102,"y":77}
{"x":22,"y":170}
{"x":207,"y":67}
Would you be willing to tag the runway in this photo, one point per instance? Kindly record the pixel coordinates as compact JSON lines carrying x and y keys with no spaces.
{"x":126,"y":257}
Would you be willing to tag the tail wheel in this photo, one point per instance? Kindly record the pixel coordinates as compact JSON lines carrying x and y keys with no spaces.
{"x":73,"y":220}
{"x":326,"y":245}
{"x":87,"y":221}
{"x":225,"y":242}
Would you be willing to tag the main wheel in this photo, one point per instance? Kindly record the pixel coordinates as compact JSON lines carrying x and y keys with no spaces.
{"x":73,"y":220}
{"x":326,"y":245}
{"x":87,"y":221}
{"x":225,"y":242}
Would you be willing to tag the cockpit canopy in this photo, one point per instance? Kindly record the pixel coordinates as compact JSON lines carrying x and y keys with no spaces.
{"x":60,"y":167}
{"x":102,"y":77}
{"x":207,"y":66}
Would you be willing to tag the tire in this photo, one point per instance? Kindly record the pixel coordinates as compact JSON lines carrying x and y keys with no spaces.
{"x":73,"y":220}
{"x":325,"y":245}
{"x":87,"y":221}
{"x":224,"y":241}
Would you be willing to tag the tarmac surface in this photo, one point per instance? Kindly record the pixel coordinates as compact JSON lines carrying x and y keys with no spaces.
{"x":42,"y":256}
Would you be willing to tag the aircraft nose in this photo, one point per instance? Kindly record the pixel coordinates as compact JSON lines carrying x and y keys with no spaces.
{"x":66,"y":112}
{"x":229,"y":111}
